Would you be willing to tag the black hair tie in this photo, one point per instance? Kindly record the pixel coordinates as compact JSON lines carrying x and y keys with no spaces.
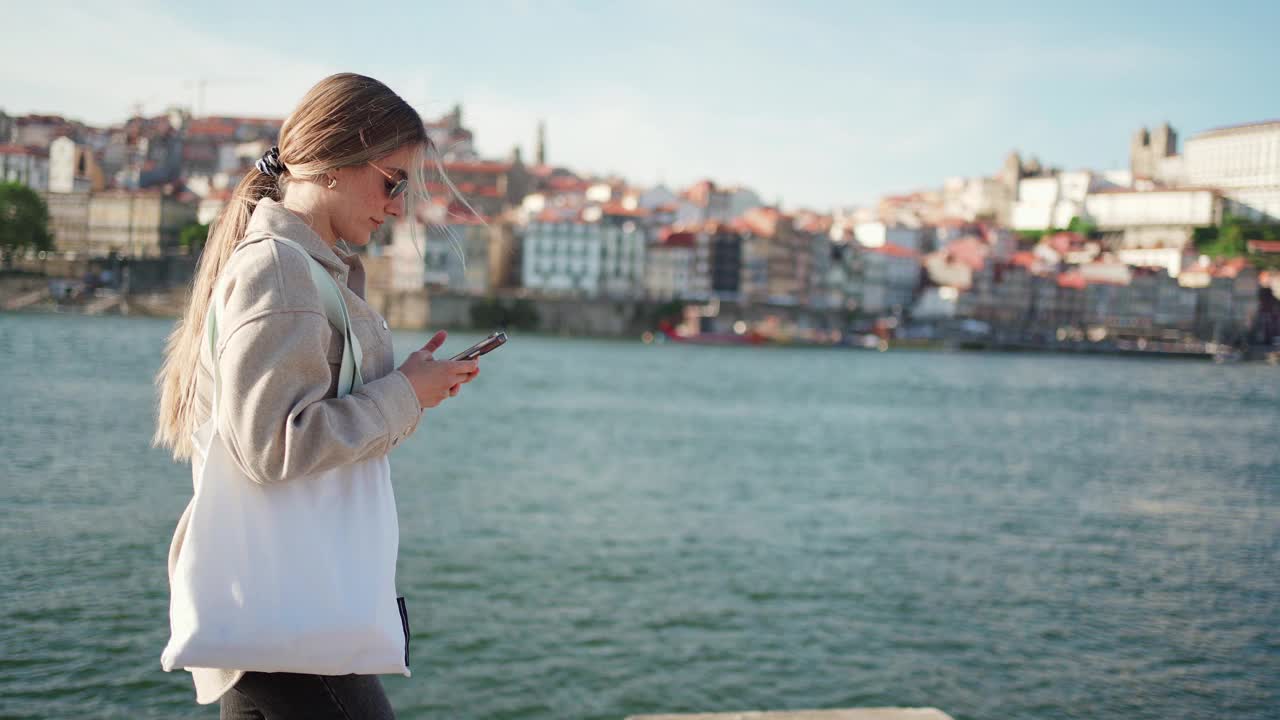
{"x":269,"y":163}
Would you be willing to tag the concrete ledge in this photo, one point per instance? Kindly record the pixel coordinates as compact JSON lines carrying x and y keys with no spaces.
{"x":848,"y":714}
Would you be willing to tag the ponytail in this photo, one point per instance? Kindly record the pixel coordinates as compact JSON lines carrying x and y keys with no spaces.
{"x":176,"y":381}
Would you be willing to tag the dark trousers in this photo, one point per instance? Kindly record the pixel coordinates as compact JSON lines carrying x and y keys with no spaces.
{"x":285,"y":696}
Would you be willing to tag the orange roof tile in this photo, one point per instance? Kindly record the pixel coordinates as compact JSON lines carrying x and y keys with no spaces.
{"x":568,"y":184}
{"x":677,"y":238}
{"x":619,"y":209}
{"x":36,"y":119}
{"x":1229,"y":268}
{"x":211,"y":127}
{"x":894,"y":251}
{"x":478,"y":166}
{"x":466,"y":188}
{"x":23,"y":150}
{"x":1072,"y":280}
{"x":1023,"y":258}
{"x":969,"y":251}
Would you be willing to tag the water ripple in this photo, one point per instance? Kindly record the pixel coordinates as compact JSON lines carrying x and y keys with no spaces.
{"x":603,"y":529}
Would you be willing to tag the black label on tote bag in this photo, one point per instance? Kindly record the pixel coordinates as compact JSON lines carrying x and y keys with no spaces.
{"x":404,"y":623}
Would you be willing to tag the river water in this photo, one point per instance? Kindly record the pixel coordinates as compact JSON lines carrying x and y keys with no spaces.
{"x":596,"y":529}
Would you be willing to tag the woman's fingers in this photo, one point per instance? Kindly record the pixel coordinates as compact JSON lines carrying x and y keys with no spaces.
{"x":465,"y":369}
{"x":441,"y":379}
{"x":435,"y":342}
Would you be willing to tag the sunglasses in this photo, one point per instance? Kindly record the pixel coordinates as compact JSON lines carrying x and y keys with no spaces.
{"x":395,"y":187}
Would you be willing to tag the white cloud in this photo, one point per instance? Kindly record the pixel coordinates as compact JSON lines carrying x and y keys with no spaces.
{"x":818,"y":111}
{"x":96,"y":61}
{"x":645,"y":134}
{"x":817,"y":157}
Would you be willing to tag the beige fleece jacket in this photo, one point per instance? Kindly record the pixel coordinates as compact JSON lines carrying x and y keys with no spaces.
{"x":278,"y":357}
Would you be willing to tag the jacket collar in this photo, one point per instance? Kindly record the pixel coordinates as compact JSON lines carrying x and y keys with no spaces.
{"x":273,"y":219}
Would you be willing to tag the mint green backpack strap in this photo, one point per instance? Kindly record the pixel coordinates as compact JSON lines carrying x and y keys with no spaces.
{"x":335,"y":308}
{"x":211,"y":333}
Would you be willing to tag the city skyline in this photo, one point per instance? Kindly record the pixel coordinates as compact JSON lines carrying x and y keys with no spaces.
{"x":815,"y":106}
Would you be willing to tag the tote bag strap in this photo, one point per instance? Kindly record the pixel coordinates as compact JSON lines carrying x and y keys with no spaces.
{"x":335,"y":308}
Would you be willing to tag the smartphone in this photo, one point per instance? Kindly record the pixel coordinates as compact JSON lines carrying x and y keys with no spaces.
{"x":489,"y":344}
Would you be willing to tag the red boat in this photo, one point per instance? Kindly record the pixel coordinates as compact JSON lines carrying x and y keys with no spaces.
{"x":750,"y":337}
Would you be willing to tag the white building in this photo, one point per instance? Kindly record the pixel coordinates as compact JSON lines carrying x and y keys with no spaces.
{"x":63,"y":154}
{"x":669,"y":267}
{"x":705,"y":201}
{"x":603,"y":192}
{"x":590,"y":259}
{"x":754,"y":278}
{"x":73,"y":168}
{"x":211,"y":205}
{"x":623,"y":247}
{"x":890,"y":276}
{"x":1073,"y":186}
{"x":562,"y":206}
{"x":233,"y":157}
{"x":454,"y":256}
{"x":844,"y":220}
{"x":1118,"y":209}
{"x":532,"y":205}
{"x":878,"y":234}
{"x":407,"y":269}
{"x":26,"y":165}
{"x":1114,"y":180}
{"x":976,"y":198}
{"x":1033,"y":209}
{"x":1171,"y":259}
{"x":820,"y":250}
{"x":1244,"y":162}
{"x":1051,"y":201}
{"x":1157,"y":226}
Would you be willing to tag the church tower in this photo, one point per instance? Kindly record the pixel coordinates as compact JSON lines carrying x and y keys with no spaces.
{"x":542,"y":143}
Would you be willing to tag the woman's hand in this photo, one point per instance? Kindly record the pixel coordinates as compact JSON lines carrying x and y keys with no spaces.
{"x":436,"y":380}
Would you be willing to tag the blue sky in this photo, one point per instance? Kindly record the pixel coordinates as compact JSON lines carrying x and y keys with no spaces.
{"x":814,"y":103}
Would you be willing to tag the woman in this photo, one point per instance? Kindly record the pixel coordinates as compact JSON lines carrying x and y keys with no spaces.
{"x":345,"y":158}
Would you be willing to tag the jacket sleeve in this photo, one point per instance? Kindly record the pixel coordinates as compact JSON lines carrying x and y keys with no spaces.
{"x":275,"y":414}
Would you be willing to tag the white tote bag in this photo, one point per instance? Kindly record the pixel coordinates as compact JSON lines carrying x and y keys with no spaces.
{"x":296,"y":576}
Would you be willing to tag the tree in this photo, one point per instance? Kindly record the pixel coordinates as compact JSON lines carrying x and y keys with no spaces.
{"x":1084,"y":227}
{"x":1231,"y":239}
{"x":671,"y":311}
{"x":193,"y":237}
{"x":1029,"y":238}
{"x":24,"y":221}
{"x":1231,"y":242}
{"x":1225,"y":240}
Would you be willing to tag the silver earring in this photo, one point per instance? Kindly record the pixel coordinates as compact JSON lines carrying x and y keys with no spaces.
{"x":333,"y":183}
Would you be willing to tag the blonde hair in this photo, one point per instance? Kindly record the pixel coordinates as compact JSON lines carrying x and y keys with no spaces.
{"x":344,"y":120}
